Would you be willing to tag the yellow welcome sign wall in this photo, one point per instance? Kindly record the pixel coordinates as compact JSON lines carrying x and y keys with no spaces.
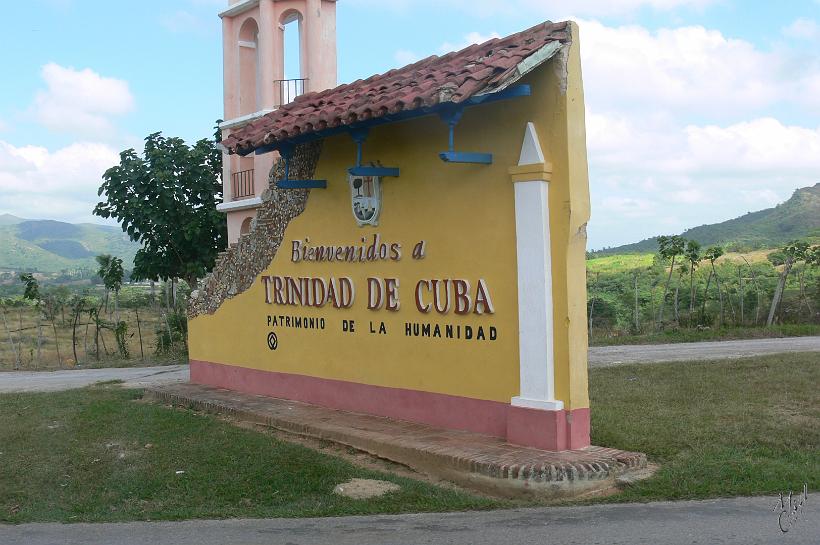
{"x":452,"y":294}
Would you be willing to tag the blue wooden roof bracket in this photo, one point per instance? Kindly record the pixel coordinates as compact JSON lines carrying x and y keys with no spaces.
{"x":522,"y":90}
{"x":451,"y":114}
{"x":286,"y":150}
{"x":359,"y":135}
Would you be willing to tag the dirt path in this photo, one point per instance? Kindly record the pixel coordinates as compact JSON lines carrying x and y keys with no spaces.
{"x":52,"y":381}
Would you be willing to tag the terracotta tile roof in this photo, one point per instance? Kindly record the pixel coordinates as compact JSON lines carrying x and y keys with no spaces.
{"x":453,"y":78}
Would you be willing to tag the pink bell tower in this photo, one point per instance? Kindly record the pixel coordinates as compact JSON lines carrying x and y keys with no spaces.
{"x":256,"y":83}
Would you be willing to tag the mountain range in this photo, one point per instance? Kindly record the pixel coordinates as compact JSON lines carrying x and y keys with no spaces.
{"x":798,"y":217}
{"x":52,"y":246}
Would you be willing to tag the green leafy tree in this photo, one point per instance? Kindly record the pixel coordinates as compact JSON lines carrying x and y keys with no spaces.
{"x":166,"y":200}
{"x":31,"y":290}
{"x":111,"y":273}
{"x":713,"y":253}
{"x":692,"y":257}
{"x":794,"y":251}
{"x":669,"y":248}
{"x":48,"y":305}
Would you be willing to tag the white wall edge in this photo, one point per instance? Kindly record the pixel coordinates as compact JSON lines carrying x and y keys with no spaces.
{"x":242,"y":204}
{"x":243,"y":120}
{"x":540,"y":404}
{"x":239,"y":7}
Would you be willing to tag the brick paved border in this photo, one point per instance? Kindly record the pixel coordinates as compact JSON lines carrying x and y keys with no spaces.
{"x":472,"y":460}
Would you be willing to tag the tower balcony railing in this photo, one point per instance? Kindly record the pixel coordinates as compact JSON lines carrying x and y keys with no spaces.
{"x":242,"y":185}
{"x":288,"y":89}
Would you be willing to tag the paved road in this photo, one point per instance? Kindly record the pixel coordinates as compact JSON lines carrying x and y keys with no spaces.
{"x":51,"y":381}
{"x":599,"y":356}
{"x":604,"y":356}
{"x":739,"y":521}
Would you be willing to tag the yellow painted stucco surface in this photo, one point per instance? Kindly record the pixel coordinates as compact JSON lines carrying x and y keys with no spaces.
{"x":465,"y":214}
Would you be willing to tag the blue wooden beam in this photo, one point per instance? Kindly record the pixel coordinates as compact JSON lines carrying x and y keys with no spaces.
{"x":517,"y":91}
{"x":374,"y":171}
{"x":302,"y":184}
{"x":466,"y":157}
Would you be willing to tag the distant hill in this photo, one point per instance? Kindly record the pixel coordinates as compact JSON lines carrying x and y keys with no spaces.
{"x":798,"y":217}
{"x":51,"y":246}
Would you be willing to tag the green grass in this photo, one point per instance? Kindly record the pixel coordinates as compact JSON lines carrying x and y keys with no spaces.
{"x":725,"y":428}
{"x":717,"y":334}
{"x":83,"y":455}
{"x":619,"y":262}
{"x":733,"y":427}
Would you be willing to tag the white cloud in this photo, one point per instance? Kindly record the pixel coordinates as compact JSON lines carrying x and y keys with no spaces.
{"x":676,"y":177}
{"x":539,"y":8}
{"x":762,"y":147}
{"x":469,"y":39}
{"x":682,"y":131}
{"x":80,"y":101}
{"x":689,"y":68}
{"x":37,"y":183}
{"x":802,"y":28}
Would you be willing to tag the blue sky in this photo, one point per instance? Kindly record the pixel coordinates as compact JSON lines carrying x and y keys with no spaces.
{"x":698,"y":110}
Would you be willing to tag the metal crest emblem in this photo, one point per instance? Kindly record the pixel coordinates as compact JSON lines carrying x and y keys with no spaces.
{"x":366,"y":198}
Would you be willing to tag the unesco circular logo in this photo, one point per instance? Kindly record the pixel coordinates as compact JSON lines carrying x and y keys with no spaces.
{"x":273,"y":342}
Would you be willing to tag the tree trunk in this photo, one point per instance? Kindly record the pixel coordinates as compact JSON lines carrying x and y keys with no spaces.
{"x":804,"y":299}
{"x":637,"y":316}
{"x":778,"y":292}
{"x":56,"y":342}
{"x":720,"y":294}
{"x":39,"y":338}
{"x":677,"y":292}
{"x":705,"y":298}
{"x":74,"y":334}
{"x":757,"y":290}
{"x":665,"y":291}
{"x":592,"y":303}
{"x":742,"y":294}
{"x":139,"y":332}
{"x":11,"y":341}
{"x":170,"y":335}
{"x":691,"y":292}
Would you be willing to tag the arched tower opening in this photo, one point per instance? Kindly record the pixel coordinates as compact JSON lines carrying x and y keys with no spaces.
{"x":245,"y":228}
{"x":292,"y":36}
{"x":249,"y":80}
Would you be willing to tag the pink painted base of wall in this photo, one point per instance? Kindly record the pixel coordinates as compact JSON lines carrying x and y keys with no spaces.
{"x":548,"y":430}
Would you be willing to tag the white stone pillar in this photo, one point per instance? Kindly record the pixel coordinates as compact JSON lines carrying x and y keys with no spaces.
{"x":535,"y":308}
